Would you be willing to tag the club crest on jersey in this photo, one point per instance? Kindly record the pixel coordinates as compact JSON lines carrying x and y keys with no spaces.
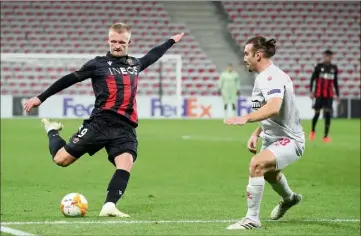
{"x":130,"y":61}
{"x":269,"y":78}
{"x":75,"y":140}
{"x":109,"y":63}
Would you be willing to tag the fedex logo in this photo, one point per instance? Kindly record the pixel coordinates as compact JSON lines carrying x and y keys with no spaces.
{"x":71,"y":108}
{"x":243,"y":106}
{"x":191,"y":108}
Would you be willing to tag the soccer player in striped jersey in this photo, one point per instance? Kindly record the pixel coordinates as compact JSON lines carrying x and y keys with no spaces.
{"x":113,"y":121}
{"x":325,"y":78}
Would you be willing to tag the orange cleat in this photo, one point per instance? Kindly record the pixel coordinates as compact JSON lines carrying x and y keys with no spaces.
{"x":312,"y":135}
{"x":326,"y":140}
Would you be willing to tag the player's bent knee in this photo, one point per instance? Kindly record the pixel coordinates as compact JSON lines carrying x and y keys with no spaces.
{"x":262,"y":163}
{"x":124,"y":161}
{"x":63,"y":159}
{"x":256,"y":168}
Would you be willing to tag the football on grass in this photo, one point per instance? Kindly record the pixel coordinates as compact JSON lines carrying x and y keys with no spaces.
{"x":74,"y":205}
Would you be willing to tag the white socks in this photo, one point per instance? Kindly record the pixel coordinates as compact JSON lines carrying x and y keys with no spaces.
{"x":282,"y":188}
{"x":255,"y":189}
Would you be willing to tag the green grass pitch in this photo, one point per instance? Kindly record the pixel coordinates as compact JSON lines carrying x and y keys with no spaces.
{"x":190,"y":173}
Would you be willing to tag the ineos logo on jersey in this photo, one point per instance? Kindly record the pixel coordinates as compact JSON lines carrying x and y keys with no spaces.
{"x":327,"y":76}
{"x":131,"y":70}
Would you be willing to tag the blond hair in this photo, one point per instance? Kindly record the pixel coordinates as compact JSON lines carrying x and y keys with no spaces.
{"x":120,"y":28}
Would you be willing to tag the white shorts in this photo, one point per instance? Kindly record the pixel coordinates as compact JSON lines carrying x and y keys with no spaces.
{"x":286,"y":151}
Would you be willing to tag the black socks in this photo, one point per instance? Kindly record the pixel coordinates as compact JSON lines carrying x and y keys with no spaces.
{"x":327,"y":123}
{"x":117,"y":185}
{"x":314,"y":120}
{"x":55,"y":142}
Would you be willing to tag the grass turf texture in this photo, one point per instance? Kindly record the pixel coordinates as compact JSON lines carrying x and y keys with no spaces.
{"x":202,"y":176}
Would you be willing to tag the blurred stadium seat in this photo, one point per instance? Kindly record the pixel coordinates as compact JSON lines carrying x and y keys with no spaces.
{"x":61,"y":27}
{"x":303,"y":30}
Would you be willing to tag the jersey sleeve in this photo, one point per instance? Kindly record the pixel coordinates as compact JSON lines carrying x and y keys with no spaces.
{"x":154,"y":54}
{"x":315,"y":75}
{"x":86,"y":71}
{"x":335,"y":82}
{"x":272,"y":87}
{"x":220,"y":81}
{"x":238,"y":81}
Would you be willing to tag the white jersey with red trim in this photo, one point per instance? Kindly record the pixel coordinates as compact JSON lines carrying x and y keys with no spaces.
{"x":270,"y":83}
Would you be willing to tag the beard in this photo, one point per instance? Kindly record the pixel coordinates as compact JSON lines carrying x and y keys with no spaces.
{"x":249,"y":68}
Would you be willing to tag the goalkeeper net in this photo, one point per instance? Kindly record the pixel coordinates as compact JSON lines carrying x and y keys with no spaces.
{"x":30,"y":74}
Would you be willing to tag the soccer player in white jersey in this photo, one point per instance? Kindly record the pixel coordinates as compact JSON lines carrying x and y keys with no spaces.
{"x":273,"y":102}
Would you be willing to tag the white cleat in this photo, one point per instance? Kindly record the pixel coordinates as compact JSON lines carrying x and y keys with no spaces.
{"x":283,"y":206}
{"x":245,"y":224}
{"x":51,"y":125}
{"x":109,"y":209}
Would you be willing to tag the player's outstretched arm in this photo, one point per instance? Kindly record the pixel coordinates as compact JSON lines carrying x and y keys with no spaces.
{"x":85,"y":72}
{"x":315,"y":75}
{"x":221,"y":81}
{"x":271,"y":108}
{"x":56,"y":87}
{"x":335,"y":83}
{"x":157,"y":52}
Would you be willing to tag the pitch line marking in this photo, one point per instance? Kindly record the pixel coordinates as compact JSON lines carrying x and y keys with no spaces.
{"x":14,"y":231}
{"x":162,"y":221}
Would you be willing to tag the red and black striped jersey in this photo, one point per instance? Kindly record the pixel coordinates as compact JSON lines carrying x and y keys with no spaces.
{"x":115,"y":81}
{"x":326,"y":78}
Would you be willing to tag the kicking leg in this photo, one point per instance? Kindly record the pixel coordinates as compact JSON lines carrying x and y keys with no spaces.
{"x":117,"y":185}
{"x":261,"y":163}
{"x":279,"y":184}
{"x":56,"y":144}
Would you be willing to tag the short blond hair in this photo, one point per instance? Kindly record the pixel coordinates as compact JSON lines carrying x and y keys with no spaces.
{"x":120,"y":28}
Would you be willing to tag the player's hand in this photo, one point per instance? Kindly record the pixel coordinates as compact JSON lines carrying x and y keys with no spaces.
{"x":177,"y":38}
{"x":31,"y":103}
{"x":236,"y":121}
{"x":312,"y":95}
{"x":238,"y":93}
{"x":252,"y":144}
{"x":338,"y":99}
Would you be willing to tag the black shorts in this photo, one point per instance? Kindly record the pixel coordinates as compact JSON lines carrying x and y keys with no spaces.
{"x":104,"y":130}
{"x":323,"y":103}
